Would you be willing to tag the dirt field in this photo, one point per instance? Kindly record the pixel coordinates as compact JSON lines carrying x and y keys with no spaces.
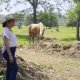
{"x":54,"y":60}
{"x":47,"y":60}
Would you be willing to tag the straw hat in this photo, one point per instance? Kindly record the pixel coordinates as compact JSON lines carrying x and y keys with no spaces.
{"x":8,"y":18}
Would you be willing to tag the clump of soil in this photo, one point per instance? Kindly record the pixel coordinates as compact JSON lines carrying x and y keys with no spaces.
{"x":30,"y":71}
{"x":54,"y":47}
{"x":46,"y":46}
{"x":27,"y":71}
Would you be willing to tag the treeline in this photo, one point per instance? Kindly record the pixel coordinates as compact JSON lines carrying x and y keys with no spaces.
{"x":47,"y":18}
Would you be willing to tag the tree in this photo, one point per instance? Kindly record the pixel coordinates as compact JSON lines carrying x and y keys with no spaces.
{"x":77,"y":10}
{"x":48,"y":19}
{"x":45,"y":4}
{"x":77,"y":13}
{"x":20,"y":19}
{"x":72,"y":17}
{"x":34,"y":4}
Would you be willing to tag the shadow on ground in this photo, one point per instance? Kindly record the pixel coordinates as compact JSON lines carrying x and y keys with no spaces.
{"x":68,"y":39}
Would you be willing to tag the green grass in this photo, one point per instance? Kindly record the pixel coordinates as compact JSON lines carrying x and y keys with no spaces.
{"x":65,"y":34}
{"x":22,"y":35}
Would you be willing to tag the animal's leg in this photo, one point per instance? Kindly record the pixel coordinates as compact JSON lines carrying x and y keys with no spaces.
{"x":42,"y":34}
{"x":33,"y":39}
{"x":38,"y":38}
{"x":29,"y":40}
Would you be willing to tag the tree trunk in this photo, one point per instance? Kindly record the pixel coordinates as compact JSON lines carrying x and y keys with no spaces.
{"x":77,"y":35}
{"x":34,"y":15}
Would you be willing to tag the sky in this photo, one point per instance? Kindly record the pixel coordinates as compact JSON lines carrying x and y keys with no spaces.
{"x":13,"y":7}
{"x":19,"y":7}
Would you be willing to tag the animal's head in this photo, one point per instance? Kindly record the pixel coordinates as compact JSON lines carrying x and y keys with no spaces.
{"x":42,"y":25}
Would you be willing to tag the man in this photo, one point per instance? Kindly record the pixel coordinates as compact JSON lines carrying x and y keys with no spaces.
{"x":9,"y":48}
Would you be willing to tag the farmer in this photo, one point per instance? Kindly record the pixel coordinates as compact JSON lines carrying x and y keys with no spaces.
{"x":9,"y":48}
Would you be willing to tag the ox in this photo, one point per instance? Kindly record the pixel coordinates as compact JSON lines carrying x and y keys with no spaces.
{"x":36,"y":30}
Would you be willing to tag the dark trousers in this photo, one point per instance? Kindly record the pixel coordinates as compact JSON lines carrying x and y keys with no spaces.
{"x":12,"y":68}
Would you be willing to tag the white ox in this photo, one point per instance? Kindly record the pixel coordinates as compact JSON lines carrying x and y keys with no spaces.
{"x":36,"y":30}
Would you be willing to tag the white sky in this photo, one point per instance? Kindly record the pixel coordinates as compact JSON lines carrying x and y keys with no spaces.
{"x":19,"y":7}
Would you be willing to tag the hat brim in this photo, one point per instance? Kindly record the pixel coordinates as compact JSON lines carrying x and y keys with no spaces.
{"x":10,"y":19}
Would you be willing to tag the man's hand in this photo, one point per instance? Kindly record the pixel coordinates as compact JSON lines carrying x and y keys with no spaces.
{"x":11,"y":59}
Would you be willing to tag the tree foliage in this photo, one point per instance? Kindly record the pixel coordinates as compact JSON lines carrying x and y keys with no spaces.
{"x":74,"y":14}
{"x":45,"y":4}
{"x":49,"y":19}
{"x":77,"y":10}
{"x":72,"y":17}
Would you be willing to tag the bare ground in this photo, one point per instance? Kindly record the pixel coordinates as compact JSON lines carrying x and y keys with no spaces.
{"x":52,"y":59}
{"x":47,"y":60}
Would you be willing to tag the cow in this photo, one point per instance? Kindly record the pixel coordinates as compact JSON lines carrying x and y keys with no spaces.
{"x":36,"y":30}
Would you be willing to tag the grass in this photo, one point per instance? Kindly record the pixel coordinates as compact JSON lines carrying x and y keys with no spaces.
{"x":22,"y":35}
{"x":65,"y":34}
{"x":56,"y":68}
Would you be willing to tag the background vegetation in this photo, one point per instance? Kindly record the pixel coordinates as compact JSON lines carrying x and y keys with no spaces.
{"x":65,"y":34}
